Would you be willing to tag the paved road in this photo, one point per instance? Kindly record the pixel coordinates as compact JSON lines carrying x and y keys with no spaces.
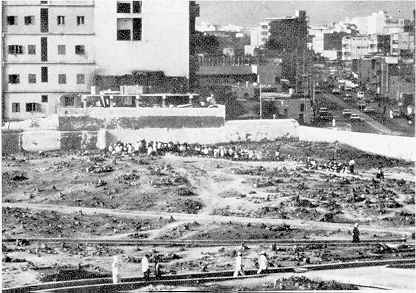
{"x":376,"y":125}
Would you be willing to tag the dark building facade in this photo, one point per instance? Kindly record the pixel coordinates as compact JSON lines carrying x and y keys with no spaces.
{"x":290,"y":33}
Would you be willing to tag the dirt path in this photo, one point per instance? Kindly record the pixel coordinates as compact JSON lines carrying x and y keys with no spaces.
{"x":203,"y":218}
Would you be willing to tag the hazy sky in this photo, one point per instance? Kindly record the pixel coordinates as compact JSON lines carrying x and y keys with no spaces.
{"x":251,"y":13}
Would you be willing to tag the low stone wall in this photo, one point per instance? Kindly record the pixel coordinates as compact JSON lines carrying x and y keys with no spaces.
{"x":96,"y":118}
{"x":260,"y":130}
{"x":399,"y":147}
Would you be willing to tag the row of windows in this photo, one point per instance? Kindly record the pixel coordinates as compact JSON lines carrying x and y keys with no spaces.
{"x":30,"y":19}
{"x":30,"y":107}
{"x":15,"y":78}
{"x":31,"y":49}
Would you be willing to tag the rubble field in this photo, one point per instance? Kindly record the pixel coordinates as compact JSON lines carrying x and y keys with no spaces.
{"x":89,"y":194}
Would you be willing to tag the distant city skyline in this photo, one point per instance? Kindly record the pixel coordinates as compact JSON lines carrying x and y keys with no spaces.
{"x":251,"y":13}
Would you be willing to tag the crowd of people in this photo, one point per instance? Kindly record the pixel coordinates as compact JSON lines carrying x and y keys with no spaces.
{"x":158,"y":148}
{"x":231,"y":152}
{"x":332,"y":165}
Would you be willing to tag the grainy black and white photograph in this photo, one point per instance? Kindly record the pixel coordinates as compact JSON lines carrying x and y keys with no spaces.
{"x":211,"y":146}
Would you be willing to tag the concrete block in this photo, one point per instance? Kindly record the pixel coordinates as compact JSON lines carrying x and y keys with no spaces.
{"x":34,"y":141}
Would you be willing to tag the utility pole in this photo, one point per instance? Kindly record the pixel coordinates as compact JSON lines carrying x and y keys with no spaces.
{"x":261,"y":104}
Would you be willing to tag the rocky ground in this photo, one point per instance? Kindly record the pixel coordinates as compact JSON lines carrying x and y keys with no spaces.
{"x":89,"y":195}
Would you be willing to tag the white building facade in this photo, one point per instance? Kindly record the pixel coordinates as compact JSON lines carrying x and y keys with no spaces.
{"x":358,"y":46}
{"x":52,"y":48}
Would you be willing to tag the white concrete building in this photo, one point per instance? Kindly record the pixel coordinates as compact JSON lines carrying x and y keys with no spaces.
{"x":358,"y":46}
{"x":254,"y":41}
{"x":48,"y":51}
{"x":371,"y":24}
{"x":401,"y":42}
{"x":58,"y":47}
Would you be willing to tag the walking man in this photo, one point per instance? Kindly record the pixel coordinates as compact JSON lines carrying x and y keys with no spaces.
{"x":351,"y":164}
{"x":355,"y":234}
{"x":239,"y":265}
{"x":145,"y":267}
{"x":116,"y":270}
{"x":263,"y":263}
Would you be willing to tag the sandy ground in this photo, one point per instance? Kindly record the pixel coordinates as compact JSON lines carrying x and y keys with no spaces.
{"x":57,"y":195}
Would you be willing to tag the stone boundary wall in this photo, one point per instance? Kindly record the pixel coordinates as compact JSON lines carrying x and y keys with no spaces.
{"x":96,"y":118}
{"x":260,"y":130}
{"x":399,"y":147}
{"x":233,"y":131}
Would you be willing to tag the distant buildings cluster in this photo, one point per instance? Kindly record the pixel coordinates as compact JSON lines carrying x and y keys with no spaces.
{"x":58,"y":48}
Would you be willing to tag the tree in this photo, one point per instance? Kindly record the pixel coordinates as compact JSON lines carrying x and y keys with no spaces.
{"x":204,"y":43}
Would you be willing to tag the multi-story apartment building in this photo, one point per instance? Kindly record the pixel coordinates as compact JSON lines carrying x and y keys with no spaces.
{"x":290,"y":32}
{"x":57,"y":47}
{"x":358,"y":46}
{"x":402,"y":44}
{"x":371,"y":24}
{"x":48,"y":51}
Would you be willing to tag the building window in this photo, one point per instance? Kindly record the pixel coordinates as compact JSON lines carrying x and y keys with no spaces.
{"x":44,"y":49}
{"x":12,"y":20}
{"x":123,"y":35}
{"x":62,"y":78}
{"x":69,"y":101}
{"x":123,"y":7}
{"x":137,"y":6}
{"x":44,"y":20}
{"x":137,"y":29}
{"x":80,"y":79}
{"x":31,"y":49}
{"x":14,"y":78}
{"x":61,"y":49}
{"x":80,"y":20}
{"x":32,"y":78}
{"x":60,"y":20}
{"x":79,"y":50}
{"x":29,"y":20}
{"x":15,"y":49}
{"x":44,"y":74}
{"x":15,"y":107}
{"x":32,"y":107}
{"x":44,"y":98}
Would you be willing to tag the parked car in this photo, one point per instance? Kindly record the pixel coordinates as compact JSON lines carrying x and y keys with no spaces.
{"x":323,"y":110}
{"x":347,"y":112}
{"x":360,"y":95}
{"x":318,"y":90}
{"x":355,"y":117}
{"x":326,"y":116}
{"x":361,"y":104}
{"x":369,"y":109}
{"x":347,"y":98}
{"x":397,"y":113}
{"x":336,"y":91}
